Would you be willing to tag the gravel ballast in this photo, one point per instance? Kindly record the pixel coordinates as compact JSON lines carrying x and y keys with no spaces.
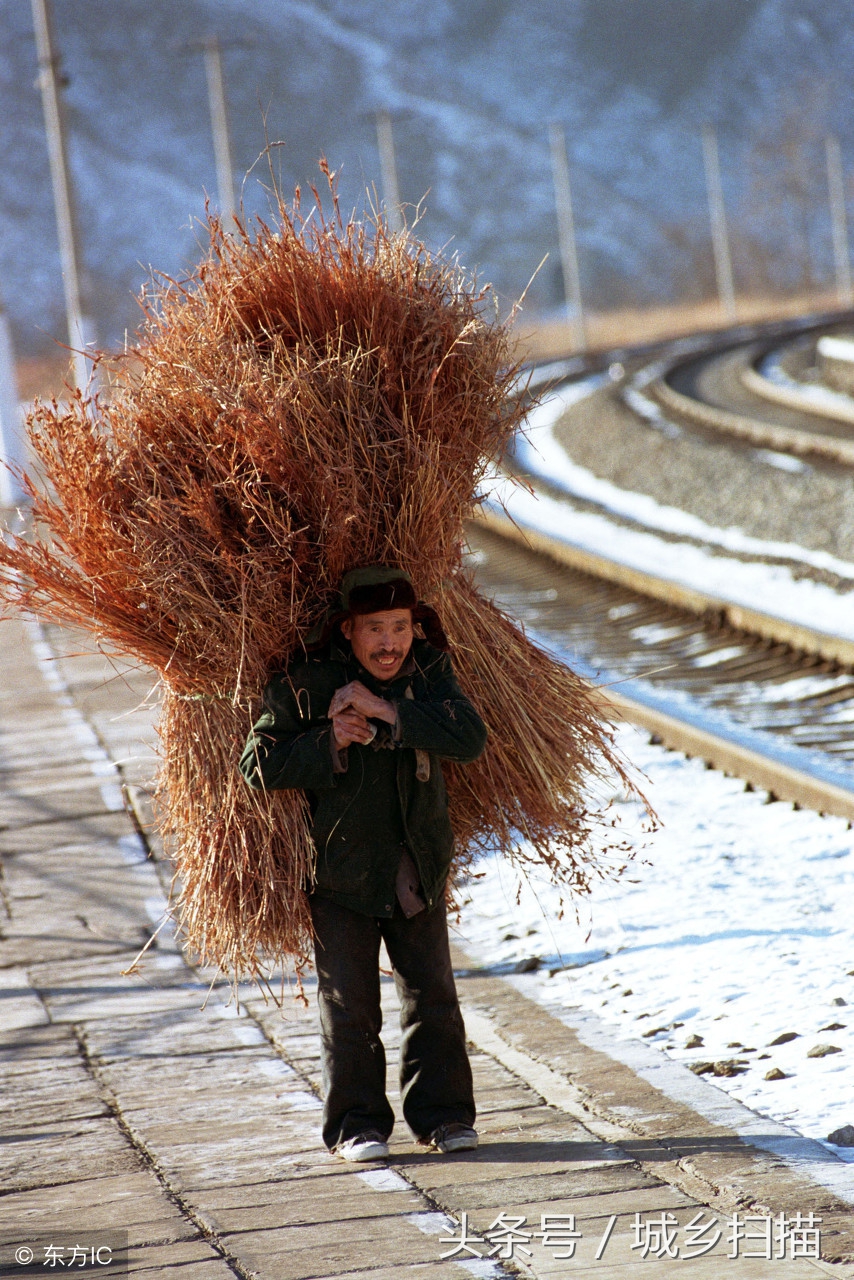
{"x":722,"y":482}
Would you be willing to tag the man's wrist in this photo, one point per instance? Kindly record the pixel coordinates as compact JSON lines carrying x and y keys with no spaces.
{"x":387,"y":713}
{"x":340,"y":758}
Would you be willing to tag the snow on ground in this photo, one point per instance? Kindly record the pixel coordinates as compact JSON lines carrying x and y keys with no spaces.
{"x":737,"y":932}
{"x":824,"y":398}
{"x":542,"y":454}
{"x":734,"y":927}
{"x":769,"y":588}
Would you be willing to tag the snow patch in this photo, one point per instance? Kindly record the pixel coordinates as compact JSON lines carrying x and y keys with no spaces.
{"x":738,"y":930}
{"x":542,"y":454}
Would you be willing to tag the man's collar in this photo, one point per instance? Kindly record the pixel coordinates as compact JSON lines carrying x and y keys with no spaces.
{"x":409,"y":665}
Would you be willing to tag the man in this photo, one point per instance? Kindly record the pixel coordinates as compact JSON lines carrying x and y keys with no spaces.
{"x":361,"y":724}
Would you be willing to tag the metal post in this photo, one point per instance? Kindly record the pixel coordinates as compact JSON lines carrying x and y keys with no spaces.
{"x":79,"y":329}
{"x":566,"y":236}
{"x":388,"y":169}
{"x":219,"y":125}
{"x":839,"y":220}
{"x":12,"y":450}
{"x":717,"y":216}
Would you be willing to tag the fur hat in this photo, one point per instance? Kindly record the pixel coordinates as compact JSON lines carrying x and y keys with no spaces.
{"x":375,"y":589}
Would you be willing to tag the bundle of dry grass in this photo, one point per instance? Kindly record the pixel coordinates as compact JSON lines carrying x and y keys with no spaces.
{"x":318,"y":396}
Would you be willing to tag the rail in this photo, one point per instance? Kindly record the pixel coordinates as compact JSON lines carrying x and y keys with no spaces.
{"x":754,"y":696}
{"x":808,"y":430}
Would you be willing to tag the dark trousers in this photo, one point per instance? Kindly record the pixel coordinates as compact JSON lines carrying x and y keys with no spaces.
{"x":435,"y":1075}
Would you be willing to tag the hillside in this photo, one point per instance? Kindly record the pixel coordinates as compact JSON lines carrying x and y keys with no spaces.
{"x":471,"y":85}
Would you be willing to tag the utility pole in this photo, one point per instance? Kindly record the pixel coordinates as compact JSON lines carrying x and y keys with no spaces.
{"x":388,"y":170}
{"x":839,"y":220}
{"x":566,"y":236}
{"x":219,"y":125}
{"x":79,"y":327}
{"x":717,"y":216}
{"x":12,"y":451}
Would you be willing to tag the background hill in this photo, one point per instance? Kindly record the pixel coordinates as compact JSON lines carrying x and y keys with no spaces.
{"x":471,"y":85}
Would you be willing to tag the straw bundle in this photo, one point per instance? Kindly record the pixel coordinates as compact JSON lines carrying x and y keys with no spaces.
{"x":320,"y":395}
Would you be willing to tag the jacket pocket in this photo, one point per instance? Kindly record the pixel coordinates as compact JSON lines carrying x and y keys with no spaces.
{"x":338,"y":867}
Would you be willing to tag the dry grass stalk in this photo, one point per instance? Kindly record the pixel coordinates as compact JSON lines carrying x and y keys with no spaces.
{"x":320,"y":395}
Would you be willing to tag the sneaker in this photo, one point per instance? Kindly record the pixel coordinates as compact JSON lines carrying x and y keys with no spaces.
{"x":363,"y":1146}
{"x":453,"y":1137}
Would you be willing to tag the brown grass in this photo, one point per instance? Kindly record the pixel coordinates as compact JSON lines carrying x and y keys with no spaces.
{"x":321,"y":394}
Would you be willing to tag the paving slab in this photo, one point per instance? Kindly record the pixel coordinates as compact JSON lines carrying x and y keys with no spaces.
{"x":132,"y":1199}
{"x":303,"y":1252}
{"x":332,"y":1210}
{"x":179,"y":1260}
{"x":435,"y":1270}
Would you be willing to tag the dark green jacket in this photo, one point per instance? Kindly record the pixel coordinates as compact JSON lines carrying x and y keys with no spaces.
{"x":364,"y":817}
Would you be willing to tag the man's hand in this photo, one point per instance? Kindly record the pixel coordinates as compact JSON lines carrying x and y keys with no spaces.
{"x":356,"y":697}
{"x":350,"y":726}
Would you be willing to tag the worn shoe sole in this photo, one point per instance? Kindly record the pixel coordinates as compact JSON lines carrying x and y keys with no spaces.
{"x":360,"y":1152}
{"x":458,"y":1142}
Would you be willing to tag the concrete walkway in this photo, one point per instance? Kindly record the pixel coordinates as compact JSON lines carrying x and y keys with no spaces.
{"x":150,"y":1105}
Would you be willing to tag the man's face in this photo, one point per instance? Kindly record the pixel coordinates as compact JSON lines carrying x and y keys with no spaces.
{"x":380,"y":641}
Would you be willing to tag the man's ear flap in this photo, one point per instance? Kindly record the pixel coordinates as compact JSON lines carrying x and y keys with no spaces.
{"x":346,"y":625}
{"x":431,"y":626}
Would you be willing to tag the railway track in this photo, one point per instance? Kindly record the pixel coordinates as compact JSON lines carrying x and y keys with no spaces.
{"x":780,"y":717}
{"x":727,"y":388}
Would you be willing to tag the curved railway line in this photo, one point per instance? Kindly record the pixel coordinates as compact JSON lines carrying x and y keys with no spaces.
{"x":726,"y":389}
{"x":752,"y":694}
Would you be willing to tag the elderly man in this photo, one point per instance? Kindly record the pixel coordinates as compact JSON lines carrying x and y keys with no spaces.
{"x":361,"y":724}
